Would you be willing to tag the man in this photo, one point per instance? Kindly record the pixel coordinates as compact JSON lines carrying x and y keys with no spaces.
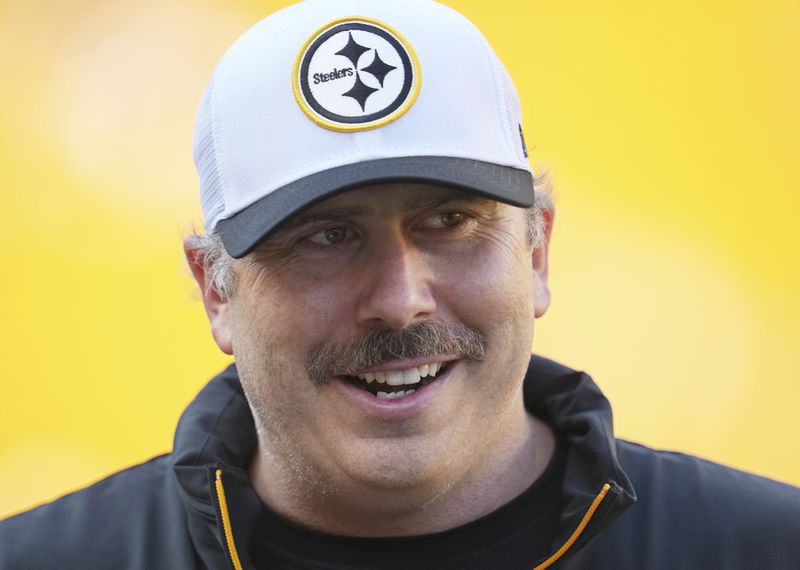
{"x":376,"y":255}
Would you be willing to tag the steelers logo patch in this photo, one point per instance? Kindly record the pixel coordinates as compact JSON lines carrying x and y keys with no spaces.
{"x":356,"y":74}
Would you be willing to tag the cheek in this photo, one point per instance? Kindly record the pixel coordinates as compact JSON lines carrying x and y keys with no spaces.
{"x":322,"y":311}
{"x":330,"y":297}
{"x":291,"y":316}
{"x":493,"y":287}
{"x":272,"y":336}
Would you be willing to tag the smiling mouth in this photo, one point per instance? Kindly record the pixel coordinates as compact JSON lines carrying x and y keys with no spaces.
{"x":393,"y":384}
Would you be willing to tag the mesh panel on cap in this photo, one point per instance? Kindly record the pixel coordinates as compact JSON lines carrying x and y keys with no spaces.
{"x":205,"y":159}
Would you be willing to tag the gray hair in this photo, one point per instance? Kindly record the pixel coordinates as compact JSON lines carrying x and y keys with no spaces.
{"x":217,"y":264}
{"x":221,"y":276}
{"x":542,"y":209}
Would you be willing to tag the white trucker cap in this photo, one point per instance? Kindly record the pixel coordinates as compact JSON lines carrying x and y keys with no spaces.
{"x":329,"y":95}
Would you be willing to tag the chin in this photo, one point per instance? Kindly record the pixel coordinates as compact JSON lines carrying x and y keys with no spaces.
{"x":398,"y":467}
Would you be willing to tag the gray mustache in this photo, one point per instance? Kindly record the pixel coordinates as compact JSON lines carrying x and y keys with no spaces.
{"x":380,"y":346}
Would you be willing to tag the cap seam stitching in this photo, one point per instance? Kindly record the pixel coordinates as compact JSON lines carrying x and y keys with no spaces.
{"x":220,"y":146}
{"x":499,"y":90}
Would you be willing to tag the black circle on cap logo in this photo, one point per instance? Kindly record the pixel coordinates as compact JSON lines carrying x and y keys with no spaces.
{"x":356,"y":74}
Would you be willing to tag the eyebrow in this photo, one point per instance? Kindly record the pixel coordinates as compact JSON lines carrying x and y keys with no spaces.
{"x":448,"y":196}
{"x":345,"y":212}
{"x":331,"y":213}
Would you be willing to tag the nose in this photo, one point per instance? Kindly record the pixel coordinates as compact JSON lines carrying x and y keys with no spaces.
{"x":395,"y":287}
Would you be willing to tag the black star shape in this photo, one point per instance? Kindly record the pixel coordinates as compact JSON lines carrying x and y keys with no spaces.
{"x":352,"y":50}
{"x":360,"y":92}
{"x":379,"y":68}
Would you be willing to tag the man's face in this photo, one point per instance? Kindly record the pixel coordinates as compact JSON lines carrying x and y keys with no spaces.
{"x":331,"y":301}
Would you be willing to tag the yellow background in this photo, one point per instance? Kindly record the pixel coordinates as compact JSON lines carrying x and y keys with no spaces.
{"x":672,"y":130}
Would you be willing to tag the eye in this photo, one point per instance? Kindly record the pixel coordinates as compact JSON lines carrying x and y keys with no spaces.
{"x":445,"y":220}
{"x":451,"y":219}
{"x":330,"y":236}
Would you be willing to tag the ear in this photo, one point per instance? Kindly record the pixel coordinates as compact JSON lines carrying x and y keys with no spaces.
{"x":217,"y":308}
{"x":541,"y":290}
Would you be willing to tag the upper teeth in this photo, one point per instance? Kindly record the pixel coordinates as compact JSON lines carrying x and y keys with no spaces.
{"x":399,"y":377}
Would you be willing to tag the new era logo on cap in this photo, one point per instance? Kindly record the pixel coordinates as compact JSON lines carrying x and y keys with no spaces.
{"x":356,"y":74}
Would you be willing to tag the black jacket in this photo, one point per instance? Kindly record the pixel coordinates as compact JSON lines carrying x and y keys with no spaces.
{"x":183,"y":510}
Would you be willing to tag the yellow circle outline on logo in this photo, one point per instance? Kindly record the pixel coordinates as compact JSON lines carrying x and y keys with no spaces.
{"x":394,"y":115}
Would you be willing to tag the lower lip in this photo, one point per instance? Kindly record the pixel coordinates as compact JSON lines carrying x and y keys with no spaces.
{"x":396,"y":407}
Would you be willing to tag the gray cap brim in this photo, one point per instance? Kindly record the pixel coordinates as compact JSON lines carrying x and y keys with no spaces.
{"x":244,"y":230}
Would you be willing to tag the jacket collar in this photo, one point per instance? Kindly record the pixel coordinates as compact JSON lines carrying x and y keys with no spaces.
{"x":217,"y":432}
{"x":572,"y":404}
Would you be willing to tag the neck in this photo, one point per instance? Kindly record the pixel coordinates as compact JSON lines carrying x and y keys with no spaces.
{"x":508,"y":465}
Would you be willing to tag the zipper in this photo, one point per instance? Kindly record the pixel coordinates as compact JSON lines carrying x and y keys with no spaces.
{"x":226,"y":521}
{"x":237,"y":565}
{"x":578,"y":530}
